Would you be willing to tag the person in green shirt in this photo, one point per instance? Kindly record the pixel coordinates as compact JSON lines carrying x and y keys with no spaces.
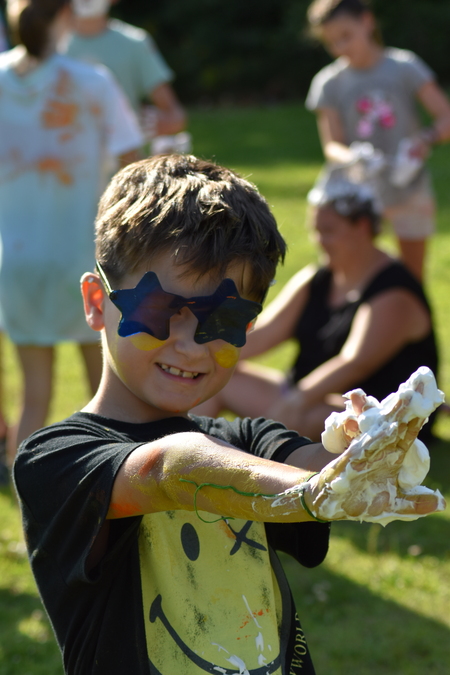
{"x":132,"y":56}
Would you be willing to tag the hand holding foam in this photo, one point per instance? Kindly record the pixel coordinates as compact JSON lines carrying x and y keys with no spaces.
{"x":378,"y":476}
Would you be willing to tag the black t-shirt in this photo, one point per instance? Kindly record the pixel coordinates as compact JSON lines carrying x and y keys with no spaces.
{"x":64,"y":476}
{"x":322,"y":331}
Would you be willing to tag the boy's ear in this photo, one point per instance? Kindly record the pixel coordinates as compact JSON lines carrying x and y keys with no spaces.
{"x":93,"y":300}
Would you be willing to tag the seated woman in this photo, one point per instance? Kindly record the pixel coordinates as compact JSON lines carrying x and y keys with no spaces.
{"x":361,"y":320}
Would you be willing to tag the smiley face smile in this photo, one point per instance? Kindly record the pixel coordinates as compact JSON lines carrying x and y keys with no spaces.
{"x":157,"y":612}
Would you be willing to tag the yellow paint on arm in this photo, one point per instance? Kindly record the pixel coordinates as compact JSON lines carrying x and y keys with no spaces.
{"x":190,"y":470}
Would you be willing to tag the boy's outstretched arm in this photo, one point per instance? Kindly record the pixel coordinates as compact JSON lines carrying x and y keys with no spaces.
{"x":194,"y":471}
{"x":165,"y":475}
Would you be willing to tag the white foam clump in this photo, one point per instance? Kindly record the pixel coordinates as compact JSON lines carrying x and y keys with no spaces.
{"x":420,"y":404}
{"x":415,"y":467}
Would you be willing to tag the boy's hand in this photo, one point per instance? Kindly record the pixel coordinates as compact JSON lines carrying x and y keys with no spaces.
{"x":377,"y":478}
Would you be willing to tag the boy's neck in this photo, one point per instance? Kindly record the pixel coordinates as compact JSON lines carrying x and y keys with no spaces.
{"x":88,"y":27}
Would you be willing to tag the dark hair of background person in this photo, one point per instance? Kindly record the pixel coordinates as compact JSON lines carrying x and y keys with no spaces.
{"x":29,"y":23}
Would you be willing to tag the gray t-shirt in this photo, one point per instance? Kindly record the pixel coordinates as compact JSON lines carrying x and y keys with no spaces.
{"x":378,"y":104}
{"x":375,"y":104}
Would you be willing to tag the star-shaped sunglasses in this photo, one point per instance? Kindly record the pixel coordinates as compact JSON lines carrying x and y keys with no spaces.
{"x":147,"y":308}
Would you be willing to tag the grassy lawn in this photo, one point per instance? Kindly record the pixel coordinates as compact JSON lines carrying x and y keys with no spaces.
{"x":381,"y":601}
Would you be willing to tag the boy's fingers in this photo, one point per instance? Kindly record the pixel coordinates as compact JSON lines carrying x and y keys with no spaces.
{"x":404,"y":506}
{"x":358,"y":401}
{"x":422,"y":503}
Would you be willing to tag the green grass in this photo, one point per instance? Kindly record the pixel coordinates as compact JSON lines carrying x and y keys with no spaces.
{"x":381,"y":601}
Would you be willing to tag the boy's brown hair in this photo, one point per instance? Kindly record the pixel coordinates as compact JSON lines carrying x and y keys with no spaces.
{"x":206,"y":214}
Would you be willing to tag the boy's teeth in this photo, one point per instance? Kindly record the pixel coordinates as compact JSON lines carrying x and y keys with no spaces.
{"x":177,"y":371}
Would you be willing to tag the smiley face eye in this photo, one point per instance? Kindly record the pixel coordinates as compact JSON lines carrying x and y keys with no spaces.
{"x":190,"y":541}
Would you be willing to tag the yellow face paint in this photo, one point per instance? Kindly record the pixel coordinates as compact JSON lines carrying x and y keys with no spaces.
{"x":227,"y":356}
{"x":145,"y":342}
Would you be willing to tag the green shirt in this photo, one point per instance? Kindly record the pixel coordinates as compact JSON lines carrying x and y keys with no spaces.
{"x":131,"y":55}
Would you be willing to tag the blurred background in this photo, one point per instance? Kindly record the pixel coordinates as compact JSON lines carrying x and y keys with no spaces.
{"x":259,"y":51}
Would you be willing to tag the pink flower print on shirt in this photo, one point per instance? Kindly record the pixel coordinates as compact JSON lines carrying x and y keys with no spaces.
{"x":375,"y":111}
{"x":364,"y":105}
{"x":387,"y":117}
{"x":365,"y":128}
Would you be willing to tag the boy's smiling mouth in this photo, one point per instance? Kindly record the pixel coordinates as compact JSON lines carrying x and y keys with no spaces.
{"x":179,"y":373}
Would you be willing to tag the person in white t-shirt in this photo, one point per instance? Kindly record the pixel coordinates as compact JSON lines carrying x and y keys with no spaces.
{"x":59,"y":120}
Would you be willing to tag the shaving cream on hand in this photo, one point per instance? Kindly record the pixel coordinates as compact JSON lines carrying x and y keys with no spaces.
{"x":378,"y":477}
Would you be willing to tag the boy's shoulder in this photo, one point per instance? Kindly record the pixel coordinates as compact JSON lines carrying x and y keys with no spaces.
{"x":127,"y":32}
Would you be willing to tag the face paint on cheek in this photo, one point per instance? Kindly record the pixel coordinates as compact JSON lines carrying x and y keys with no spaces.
{"x":227,"y":356}
{"x":145,"y":342}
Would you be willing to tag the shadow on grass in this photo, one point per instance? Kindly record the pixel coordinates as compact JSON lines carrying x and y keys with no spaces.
{"x":27,"y":641}
{"x":351,"y":630}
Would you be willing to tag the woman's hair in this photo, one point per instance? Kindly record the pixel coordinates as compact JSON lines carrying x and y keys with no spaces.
{"x":30,"y":22}
{"x":321,"y":11}
{"x":350,"y":200}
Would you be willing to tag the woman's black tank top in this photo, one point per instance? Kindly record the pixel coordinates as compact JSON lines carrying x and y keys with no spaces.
{"x":322,"y":331}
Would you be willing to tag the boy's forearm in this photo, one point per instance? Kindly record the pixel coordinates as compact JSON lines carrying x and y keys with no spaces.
{"x":193,"y":471}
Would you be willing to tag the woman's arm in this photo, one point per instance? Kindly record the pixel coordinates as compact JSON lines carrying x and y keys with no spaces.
{"x":331,"y":134}
{"x":277,"y":322}
{"x":379,"y":330}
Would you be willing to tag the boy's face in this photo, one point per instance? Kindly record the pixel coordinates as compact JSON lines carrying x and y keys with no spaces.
{"x":145,"y":378}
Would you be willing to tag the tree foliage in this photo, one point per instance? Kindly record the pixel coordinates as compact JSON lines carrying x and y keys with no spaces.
{"x":253,"y":49}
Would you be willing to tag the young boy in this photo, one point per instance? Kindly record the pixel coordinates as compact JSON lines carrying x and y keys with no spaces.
{"x":145,"y":525}
{"x":133,"y":58}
